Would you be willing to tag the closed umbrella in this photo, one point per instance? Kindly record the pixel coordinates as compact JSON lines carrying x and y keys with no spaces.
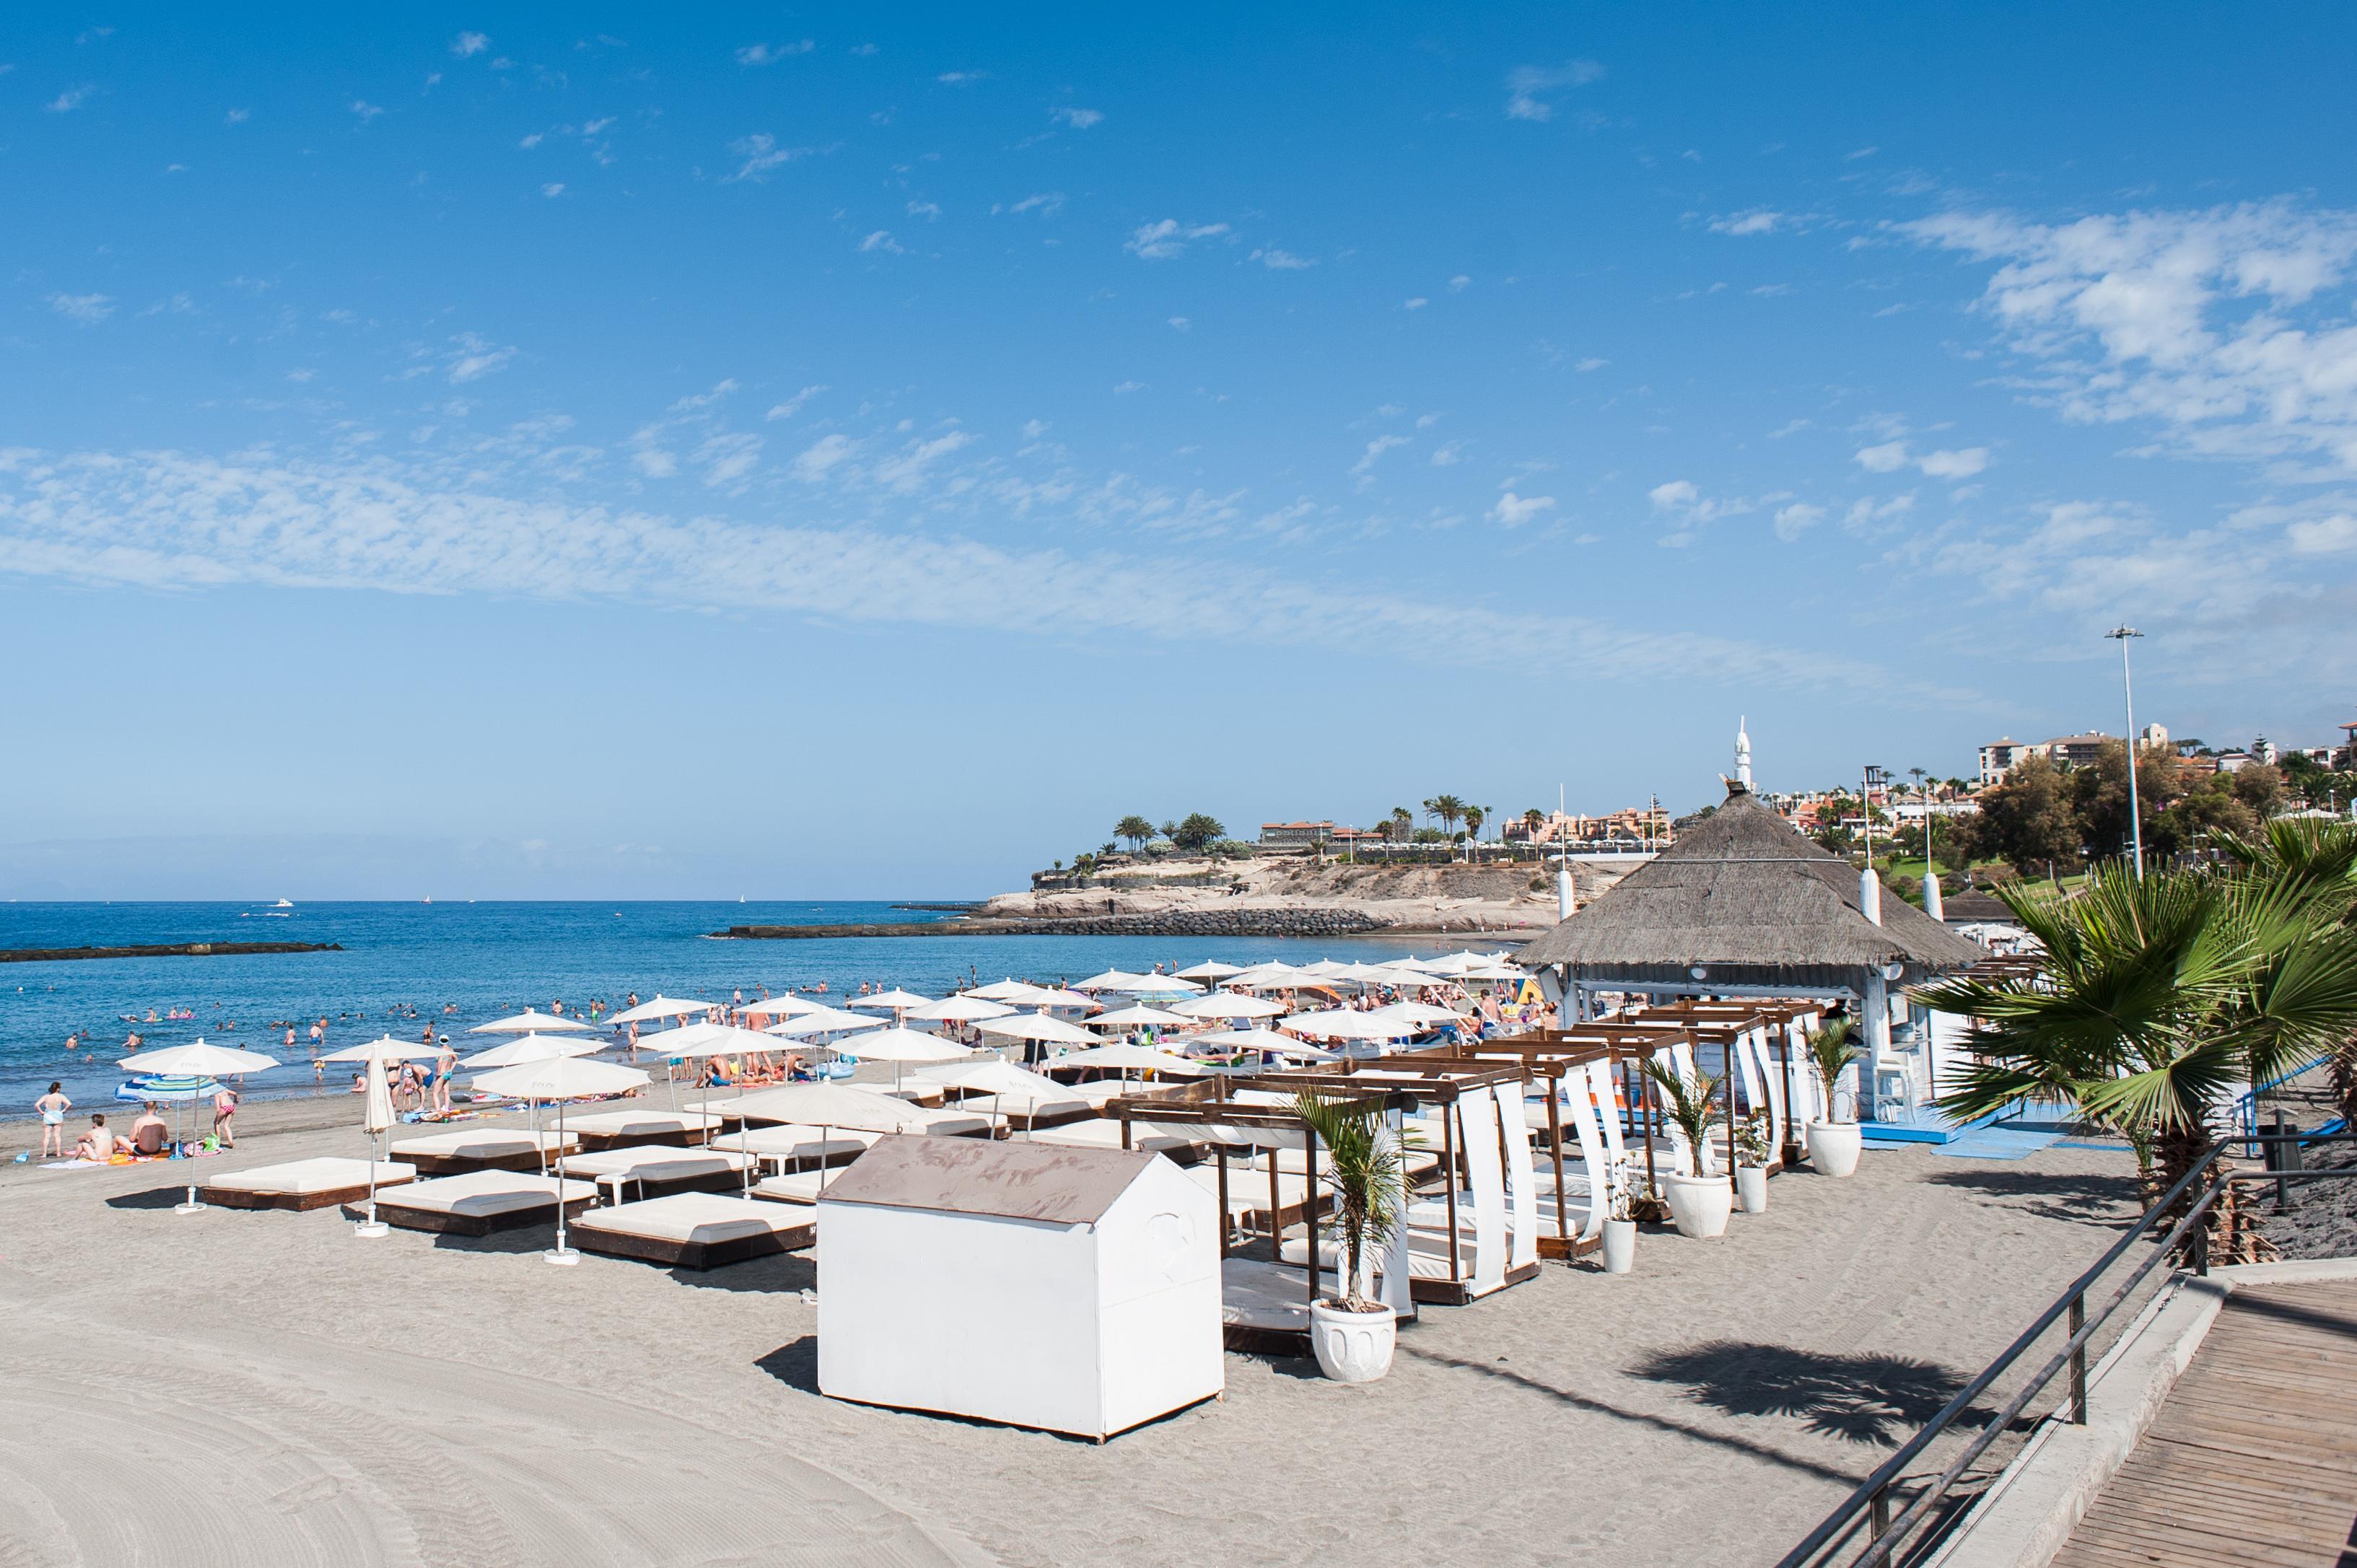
{"x":530,"y":1022}
{"x":561,"y":1078}
{"x":376,"y":1117}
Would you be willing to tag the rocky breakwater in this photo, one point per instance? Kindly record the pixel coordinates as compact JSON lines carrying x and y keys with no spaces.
{"x":1240,"y":922}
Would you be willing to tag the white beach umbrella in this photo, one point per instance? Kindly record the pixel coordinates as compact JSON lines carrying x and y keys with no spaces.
{"x":1268,"y":1042}
{"x":1037,"y":1026}
{"x":828,"y":1106}
{"x":1049,"y":998}
{"x":1138,"y":1016}
{"x":1269,"y":977}
{"x":385,"y":1049}
{"x":529,"y":1022}
{"x":1111,"y":980}
{"x":1128,"y":1058}
{"x":197,"y":1060}
{"x":833,"y":1021}
{"x":1025,"y":1091}
{"x":689,"y":1041}
{"x":561,"y":1078}
{"x":1423,"y":1014}
{"x":1213,"y":970}
{"x":962,"y":1008}
{"x":526,"y":1048}
{"x":1496,"y":971}
{"x":1007,"y":990}
{"x":1227,"y":1004}
{"x":895,"y":1000}
{"x":900,"y":1046}
{"x":786,"y":1006}
{"x":1344,"y":1024}
{"x":662,"y":1007}
{"x":1454,"y":965}
{"x":1158,"y":985}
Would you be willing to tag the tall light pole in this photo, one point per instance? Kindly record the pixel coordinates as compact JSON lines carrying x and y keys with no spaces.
{"x":2120,"y":634}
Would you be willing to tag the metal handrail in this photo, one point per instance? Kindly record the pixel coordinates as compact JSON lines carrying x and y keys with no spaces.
{"x":1872,"y":1496}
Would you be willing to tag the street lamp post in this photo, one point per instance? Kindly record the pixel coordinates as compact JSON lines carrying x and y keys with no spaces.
{"x":2120,"y":634}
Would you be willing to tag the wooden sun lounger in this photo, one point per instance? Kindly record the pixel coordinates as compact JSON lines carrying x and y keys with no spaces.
{"x":657,"y":1171}
{"x":301,"y":1184}
{"x":790,"y":1142}
{"x":692,"y":1230}
{"x":793,"y":1187}
{"x":480,"y":1202}
{"x":483,"y":1149}
{"x":616,"y":1129}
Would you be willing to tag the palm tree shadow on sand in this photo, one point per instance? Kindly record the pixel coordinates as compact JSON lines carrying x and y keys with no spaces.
{"x":1862,"y":1398}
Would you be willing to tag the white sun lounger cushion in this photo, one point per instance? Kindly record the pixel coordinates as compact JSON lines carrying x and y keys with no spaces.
{"x":794,"y":1186}
{"x":650,"y":1164}
{"x":485,"y":1192}
{"x":484,"y":1143}
{"x":1104,"y":1132}
{"x":692,"y":1217}
{"x":642,"y":1123}
{"x":792,"y":1140}
{"x":299,"y":1177}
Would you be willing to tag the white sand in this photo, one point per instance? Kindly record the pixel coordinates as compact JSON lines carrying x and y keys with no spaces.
{"x":424,"y":1399}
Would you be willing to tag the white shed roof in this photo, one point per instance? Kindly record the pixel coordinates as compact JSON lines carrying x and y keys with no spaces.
{"x":1060,"y":1185}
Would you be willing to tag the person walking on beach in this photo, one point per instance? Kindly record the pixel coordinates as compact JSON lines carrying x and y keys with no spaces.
{"x":444,"y":1066}
{"x":224,"y":1108}
{"x":53,"y":1107}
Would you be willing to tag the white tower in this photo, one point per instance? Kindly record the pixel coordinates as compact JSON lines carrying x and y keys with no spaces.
{"x":1742,"y":756}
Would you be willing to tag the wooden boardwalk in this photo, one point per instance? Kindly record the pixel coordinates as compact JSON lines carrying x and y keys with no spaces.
{"x":2254,"y":1458}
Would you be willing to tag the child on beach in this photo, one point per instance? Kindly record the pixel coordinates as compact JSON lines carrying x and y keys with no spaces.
{"x":53,"y":1107}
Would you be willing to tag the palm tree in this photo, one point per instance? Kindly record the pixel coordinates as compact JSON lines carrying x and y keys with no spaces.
{"x":1364,"y":1175}
{"x":1449,"y":809}
{"x":2161,"y":997}
{"x":1690,"y":1106}
{"x":1135,"y":829}
{"x":1474,"y":817}
{"x":1534,"y":820}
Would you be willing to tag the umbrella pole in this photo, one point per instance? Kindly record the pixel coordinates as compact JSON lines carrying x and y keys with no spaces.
{"x":564,"y":1254}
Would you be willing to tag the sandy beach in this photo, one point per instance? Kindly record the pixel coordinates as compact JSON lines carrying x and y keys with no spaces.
{"x":263,"y":1388}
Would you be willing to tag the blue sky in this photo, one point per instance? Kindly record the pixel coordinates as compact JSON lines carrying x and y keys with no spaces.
{"x":801,"y":454}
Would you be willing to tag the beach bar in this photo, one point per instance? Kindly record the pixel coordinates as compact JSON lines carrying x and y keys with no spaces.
{"x":1070,"y":1290}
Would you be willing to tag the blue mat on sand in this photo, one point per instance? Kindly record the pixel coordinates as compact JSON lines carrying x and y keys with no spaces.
{"x":1981,"y":1144}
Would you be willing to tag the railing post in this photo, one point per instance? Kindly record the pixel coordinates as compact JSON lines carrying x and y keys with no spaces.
{"x":2200,"y":1239}
{"x":2078,"y":1361}
{"x":1879,"y":1523}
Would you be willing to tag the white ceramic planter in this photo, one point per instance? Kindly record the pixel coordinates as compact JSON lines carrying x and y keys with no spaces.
{"x":1698,"y":1205}
{"x":1833,"y":1147}
{"x":1352,"y":1347}
{"x":1751,"y":1188}
{"x":1619,"y":1246}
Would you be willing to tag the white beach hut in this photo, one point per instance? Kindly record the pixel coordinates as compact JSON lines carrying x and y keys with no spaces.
{"x":1067,"y":1289}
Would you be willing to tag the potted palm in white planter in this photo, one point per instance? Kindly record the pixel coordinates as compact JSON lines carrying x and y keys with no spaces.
{"x":1699,"y":1203}
{"x":1751,"y":1164}
{"x":1619,"y":1228}
{"x":1352,"y":1333}
{"x":1833,"y":1143}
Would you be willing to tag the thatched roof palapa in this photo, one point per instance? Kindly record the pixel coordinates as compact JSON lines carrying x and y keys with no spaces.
{"x":1753,"y":902}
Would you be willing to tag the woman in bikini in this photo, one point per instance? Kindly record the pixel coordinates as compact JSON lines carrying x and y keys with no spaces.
{"x":53,"y":1107}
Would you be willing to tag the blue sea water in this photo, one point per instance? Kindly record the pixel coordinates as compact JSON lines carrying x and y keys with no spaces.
{"x":404,"y":963}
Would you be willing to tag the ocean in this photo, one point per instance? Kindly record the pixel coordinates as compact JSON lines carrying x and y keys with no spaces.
{"x":404,"y":963}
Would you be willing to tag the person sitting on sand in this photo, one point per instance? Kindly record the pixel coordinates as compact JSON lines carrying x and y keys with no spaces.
{"x":98,"y":1142}
{"x":148,"y":1132}
{"x":53,"y":1107}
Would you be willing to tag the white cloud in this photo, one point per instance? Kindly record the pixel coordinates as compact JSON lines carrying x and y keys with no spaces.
{"x":179,"y":521}
{"x":1682,"y":504}
{"x":822,"y":457}
{"x":472,"y":357}
{"x":1525,"y":84}
{"x":1759,"y":220}
{"x":1181,"y":323}
{"x":906,"y":472}
{"x":1514,"y":510}
{"x":795,"y":403}
{"x":761,"y":153}
{"x":881,"y":240}
{"x":1457,"y":284}
{"x":366,"y":110}
{"x":1282,"y":261}
{"x":1448,"y":454}
{"x":467,"y":44}
{"x":553,"y":187}
{"x":1046,"y":203}
{"x":529,"y":142}
{"x":1078,"y":119}
{"x":87,"y":309}
{"x":1861,"y":153}
{"x":1675,"y":493}
{"x":1160,"y":242}
{"x":1126,"y":388}
{"x":1418,"y":303}
{"x":238,"y":116}
{"x":1890,"y":456}
{"x":71,"y":99}
{"x":2226,"y":331}
{"x":727,"y":458}
{"x":958,"y":78}
{"x":924,"y":210}
{"x":1797,"y":518}
{"x":2331,"y":535}
{"x":1590,"y":363}
{"x":769,"y":54}
{"x":1375,"y":449}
